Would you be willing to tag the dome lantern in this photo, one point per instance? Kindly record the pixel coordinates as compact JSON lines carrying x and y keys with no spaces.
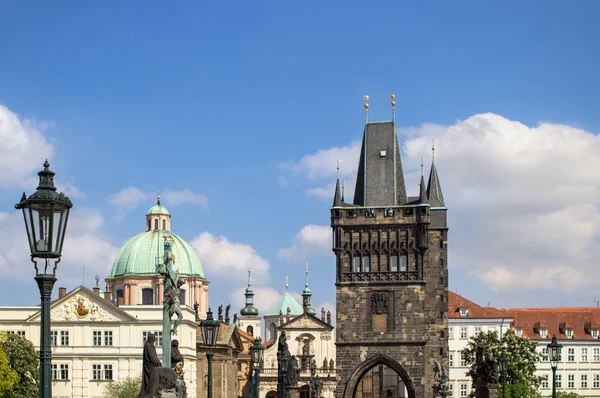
{"x":158,"y":217}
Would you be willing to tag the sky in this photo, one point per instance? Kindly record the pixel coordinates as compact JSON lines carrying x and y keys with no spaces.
{"x":238,"y":111}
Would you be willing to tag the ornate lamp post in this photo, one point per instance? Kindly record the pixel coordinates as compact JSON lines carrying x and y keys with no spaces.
{"x":46,"y":213}
{"x":256,"y":355}
{"x":554,"y":355}
{"x":504,"y":368}
{"x":210,"y":332}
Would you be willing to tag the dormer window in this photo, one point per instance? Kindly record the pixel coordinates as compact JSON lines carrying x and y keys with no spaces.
{"x":519,"y":332}
{"x":543,"y":332}
{"x":463,"y":311}
{"x":594,"y":333}
{"x":569,"y":333}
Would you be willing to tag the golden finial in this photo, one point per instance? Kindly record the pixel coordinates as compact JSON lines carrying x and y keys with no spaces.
{"x":338,"y":168}
{"x":286,"y":283}
{"x":366,"y":97}
{"x":393,"y":97}
{"x":158,"y":197}
{"x":433,"y":149}
{"x":307,"y":267}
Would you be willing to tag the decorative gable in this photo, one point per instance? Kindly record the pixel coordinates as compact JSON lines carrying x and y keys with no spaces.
{"x":306,"y":321}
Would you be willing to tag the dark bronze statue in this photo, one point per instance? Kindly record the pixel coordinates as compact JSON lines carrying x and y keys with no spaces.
{"x":149,"y":369}
{"x":440,"y":383}
{"x":485,"y":375}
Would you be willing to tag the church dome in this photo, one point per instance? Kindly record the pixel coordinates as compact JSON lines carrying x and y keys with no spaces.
{"x":158,"y":209}
{"x":140,"y":254}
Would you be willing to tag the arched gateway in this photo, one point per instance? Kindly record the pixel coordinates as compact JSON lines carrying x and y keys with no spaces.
{"x":379,"y":377}
{"x":391,"y":276}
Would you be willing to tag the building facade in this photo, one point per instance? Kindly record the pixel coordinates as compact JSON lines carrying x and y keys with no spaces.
{"x":391,"y":276}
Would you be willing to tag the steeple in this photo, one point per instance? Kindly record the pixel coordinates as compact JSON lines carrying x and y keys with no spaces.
{"x":422,"y":193}
{"x":306,"y":295}
{"x":249,"y":309}
{"x":338,"y":198}
{"x":434,"y":190}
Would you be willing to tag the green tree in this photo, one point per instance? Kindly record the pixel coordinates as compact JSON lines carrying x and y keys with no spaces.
{"x":564,"y":394}
{"x":8,"y":377}
{"x":23,"y":359}
{"x":522,"y":359}
{"x":125,"y":388}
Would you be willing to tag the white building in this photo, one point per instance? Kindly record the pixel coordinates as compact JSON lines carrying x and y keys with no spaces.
{"x":576,"y":329}
{"x":95,"y":342}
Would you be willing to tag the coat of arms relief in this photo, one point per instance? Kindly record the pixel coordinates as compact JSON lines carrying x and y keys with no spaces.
{"x":80,"y":307}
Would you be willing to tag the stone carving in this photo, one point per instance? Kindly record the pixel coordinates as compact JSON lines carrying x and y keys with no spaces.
{"x":440,"y":383}
{"x":172,"y":284}
{"x":379,"y":303}
{"x":220,"y":313}
{"x":81,"y":308}
{"x":485,"y":375}
{"x":227,"y":313}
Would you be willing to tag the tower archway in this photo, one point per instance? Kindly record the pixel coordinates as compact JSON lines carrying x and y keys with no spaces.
{"x":380,"y":376}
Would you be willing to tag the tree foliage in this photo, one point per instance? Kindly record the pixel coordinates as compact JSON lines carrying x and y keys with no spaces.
{"x":521,"y":365}
{"x":23,"y":359}
{"x":564,"y":394}
{"x":8,"y":377}
{"x":125,"y":388}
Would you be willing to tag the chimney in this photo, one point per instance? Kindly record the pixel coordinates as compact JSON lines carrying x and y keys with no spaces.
{"x":119,"y":301}
{"x":97,"y":291}
{"x":108,"y":297}
{"x":62,"y":292}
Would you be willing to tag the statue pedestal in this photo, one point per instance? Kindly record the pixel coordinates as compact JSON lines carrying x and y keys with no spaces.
{"x":170,"y":385}
{"x":489,"y":391}
{"x":293,"y":392}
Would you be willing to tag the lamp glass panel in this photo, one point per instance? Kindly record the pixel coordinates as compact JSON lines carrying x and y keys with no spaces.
{"x":42,"y":212}
{"x":28,"y":227}
{"x":59,"y":226}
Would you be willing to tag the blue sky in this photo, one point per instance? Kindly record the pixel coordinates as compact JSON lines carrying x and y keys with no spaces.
{"x":227,"y":104}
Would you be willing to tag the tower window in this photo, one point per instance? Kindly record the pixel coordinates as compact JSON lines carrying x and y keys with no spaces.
{"x":273,"y":332}
{"x":156,"y":224}
{"x":182,"y":297}
{"x":164,"y":226}
{"x":149,"y":225}
{"x":367,"y":263}
{"x":250,"y":330}
{"x":404,"y":263}
{"x":147,"y":296}
{"x":394,"y":263}
{"x":356,"y":261}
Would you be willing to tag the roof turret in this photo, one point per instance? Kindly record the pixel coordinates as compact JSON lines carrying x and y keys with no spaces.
{"x":435,"y":198}
{"x":249,"y":309}
{"x":158,"y":208}
{"x":306,"y":295}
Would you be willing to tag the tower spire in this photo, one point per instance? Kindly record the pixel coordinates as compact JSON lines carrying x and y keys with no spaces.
{"x":249,"y":309}
{"x":343,"y":187}
{"x":366,"y":97}
{"x":393,"y":103}
{"x":337,"y":198}
{"x":434,"y":189}
{"x":306,"y":295}
{"x":158,"y":197}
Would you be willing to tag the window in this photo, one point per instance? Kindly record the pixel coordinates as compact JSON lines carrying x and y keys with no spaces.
{"x":394,"y":263}
{"x":463,"y":311}
{"x":450,"y":333}
{"x":519,"y":332}
{"x":571,"y":355}
{"x":164,"y":224}
{"x":158,"y":335}
{"x":54,"y":337}
{"x":366,"y":263}
{"x":63,"y":372}
{"x":571,"y":381}
{"x":595,"y":333}
{"x":20,"y":333}
{"x":543,"y":332}
{"x":477,"y":330}
{"x":584,"y":381}
{"x":596,"y":356}
{"x":147,"y":296}
{"x":273,"y":332}
{"x":97,"y":337}
{"x":149,"y":225}
{"x":558,"y":381}
{"x":462,"y":360}
{"x":451,"y":359}
{"x":545,"y":354}
{"x":441,"y":263}
{"x":584,"y":357}
{"x":156,"y":223}
{"x":463,"y":390}
{"x":356,"y":260}
{"x":54,"y":372}
{"x":569,"y":333}
{"x":108,"y":372}
{"x":108,"y":337}
{"x":545,"y":383}
{"x":250,"y":330}
{"x":64,"y":337}
{"x":403,"y":263}
{"x":463,"y":332}
{"x":450,"y":392}
{"x":182,"y":297}
{"x":596,"y":381}
{"x":96,"y":372}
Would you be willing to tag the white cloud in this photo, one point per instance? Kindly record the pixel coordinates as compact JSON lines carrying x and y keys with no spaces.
{"x":523,"y":201}
{"x":85,"y":248}
{"x":175,"y":198}
{"x":229,"y":260}
{"x":23,"y":148}
{"x":310,"y":241}
{"x":326,"y":192}
{"x":264,"y":298}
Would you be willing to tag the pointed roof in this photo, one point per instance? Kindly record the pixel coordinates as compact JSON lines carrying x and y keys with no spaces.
{"x":422,"y":193}
{"x":249,"y":309}
{"x":306,"y":321}
{"x":380,"y":179}
{"x":434,"y":190}
{"x":306,"y":295}
{"x":337,"y":197}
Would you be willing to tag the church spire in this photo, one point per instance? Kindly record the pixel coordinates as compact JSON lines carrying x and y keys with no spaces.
{"x":249,"y":309}
{"x":338,"y":198}
{"x":306,"y":295}
{"x":434,"y":190}
{"x":422,"y":193}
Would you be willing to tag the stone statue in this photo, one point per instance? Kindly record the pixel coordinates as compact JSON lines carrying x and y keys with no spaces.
{"x":485,"y":375}
{"x":176,"y":356}
{"x":293,"y":372}
{"x":196,"y":305}
{"x":329,"y":317}
{"x":440,"y":383}
{"x":220,"y":312}
{"x":235,"y":318}
{"x":331,"y":365}
{"x":227,"y":313}
{"x":323,"y":314}
{"x":149,"y":369}
{"x":315,"y":383}
{"x":172,"y":284}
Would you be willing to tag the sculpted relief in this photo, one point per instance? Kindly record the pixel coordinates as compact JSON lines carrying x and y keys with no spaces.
{"x":82,"y":308}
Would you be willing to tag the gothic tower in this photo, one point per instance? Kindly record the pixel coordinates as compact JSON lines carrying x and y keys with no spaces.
{"x":391,"y":276}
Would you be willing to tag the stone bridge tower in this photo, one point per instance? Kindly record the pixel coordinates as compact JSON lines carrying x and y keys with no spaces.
{"x":391,"y":276}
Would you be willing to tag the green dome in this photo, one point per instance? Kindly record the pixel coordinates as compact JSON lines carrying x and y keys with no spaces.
{"x":158,"y":209}
{"x":286,"y":301}
{"x":140,"y":254}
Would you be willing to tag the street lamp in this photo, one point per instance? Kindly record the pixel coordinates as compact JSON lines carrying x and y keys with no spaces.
{"x":46,"y":213}
{"x":256,"y":355}
{"x":554,"y":355}
{"x":210,"y":332}
{"x":284,"y":364}
{"x":504,"y":368}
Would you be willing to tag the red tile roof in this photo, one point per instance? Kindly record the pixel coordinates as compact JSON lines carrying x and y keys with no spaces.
{"x":556,"y":321}
{"x":456,"y":302}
